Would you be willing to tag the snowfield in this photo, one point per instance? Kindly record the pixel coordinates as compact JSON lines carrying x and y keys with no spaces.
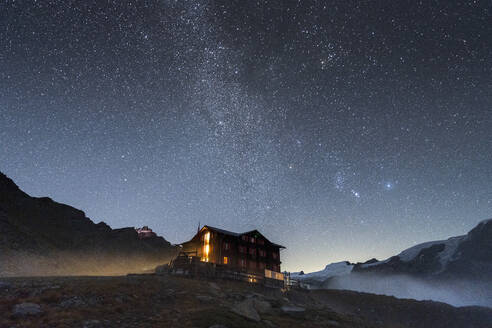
{"x":331,"y":270}
{"x":445,"y":256}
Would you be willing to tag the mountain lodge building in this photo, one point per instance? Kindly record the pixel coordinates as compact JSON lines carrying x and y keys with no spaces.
{"x":249,"y":252}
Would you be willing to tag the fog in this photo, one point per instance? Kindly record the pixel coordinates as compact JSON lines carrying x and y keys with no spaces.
{"x":68,"y":264}
{"x":457,"y":293}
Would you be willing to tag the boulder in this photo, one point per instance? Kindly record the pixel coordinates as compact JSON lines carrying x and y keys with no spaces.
{"x":72,"y":302}
{"x":26,"y":309}
{"x":4,"y":285}
{"x":92,"y":324}
{"x":213,"y":285}
{"x":292,"y":308}
{"x":262,"y":306}
{"x":246,"y":309}
{"x":204,"y":298}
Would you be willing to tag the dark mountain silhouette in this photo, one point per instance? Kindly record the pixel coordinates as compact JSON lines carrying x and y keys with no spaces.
{"x":39,"y":236}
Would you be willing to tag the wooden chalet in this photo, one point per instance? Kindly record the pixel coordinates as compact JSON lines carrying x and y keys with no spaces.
{"x":248,"y":254}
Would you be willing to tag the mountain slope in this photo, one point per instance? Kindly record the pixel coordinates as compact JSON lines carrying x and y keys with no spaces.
{"x":41,"y":236}
{"x":457,"y":271}
{"x":461,"y":257}
{"x":331,"y":270}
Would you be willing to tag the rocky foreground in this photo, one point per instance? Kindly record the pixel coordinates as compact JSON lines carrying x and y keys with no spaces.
{"x":170,"y":301}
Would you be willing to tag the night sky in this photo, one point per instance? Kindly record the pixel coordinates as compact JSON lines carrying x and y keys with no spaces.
{"x":343,"y":130}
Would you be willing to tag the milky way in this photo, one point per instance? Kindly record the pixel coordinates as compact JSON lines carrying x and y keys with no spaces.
{"x":343,"y":130}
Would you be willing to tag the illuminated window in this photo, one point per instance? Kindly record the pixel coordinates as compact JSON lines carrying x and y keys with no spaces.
{"x":252,"y":240}
{"x":226,"y":260}
{"x":206,"y":246}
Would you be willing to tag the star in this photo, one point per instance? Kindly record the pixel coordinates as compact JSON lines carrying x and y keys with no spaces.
{"x":356,"y":194}
{"x":388,"y":185}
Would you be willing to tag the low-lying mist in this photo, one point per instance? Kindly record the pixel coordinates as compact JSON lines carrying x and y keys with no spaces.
{"x":454,"y":292}
{"x":69,"y":264}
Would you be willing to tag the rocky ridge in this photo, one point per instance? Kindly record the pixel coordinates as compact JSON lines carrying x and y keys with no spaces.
{"x":39,"y":236}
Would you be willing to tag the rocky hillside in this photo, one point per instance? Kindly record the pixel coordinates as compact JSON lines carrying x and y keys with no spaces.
{"x":172,"y":301}
{"x":39,"y":236}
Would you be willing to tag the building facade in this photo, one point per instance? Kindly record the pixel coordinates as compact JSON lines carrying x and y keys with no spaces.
{"x":244,"y":252}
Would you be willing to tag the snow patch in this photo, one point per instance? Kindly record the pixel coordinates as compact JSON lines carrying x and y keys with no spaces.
{"x":445,"y":256}
{"x":449,"y":251}
{"x":412,"y":252}
{"x":331,"y":270}
{"x":368,"y":265}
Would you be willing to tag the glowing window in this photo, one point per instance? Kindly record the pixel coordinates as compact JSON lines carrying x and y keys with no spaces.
{"x":207,"y":237}
{"x":226,"y":260}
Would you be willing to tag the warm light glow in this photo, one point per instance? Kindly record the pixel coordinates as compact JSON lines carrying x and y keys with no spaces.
{"x":273,"y":275}
{"x":226,"y":260}
{"x":206,"y":246}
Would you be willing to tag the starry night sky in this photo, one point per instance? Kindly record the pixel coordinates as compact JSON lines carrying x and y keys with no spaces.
{"x":343,"y":130}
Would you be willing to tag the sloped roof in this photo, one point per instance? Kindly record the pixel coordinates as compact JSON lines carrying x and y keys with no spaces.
{"x":225,"y":232}
{"x":235,"y":234}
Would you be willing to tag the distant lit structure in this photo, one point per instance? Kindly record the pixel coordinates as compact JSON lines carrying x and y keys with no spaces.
{"x":145,"y":232}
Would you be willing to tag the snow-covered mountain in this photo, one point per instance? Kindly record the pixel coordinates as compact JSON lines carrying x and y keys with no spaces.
{"x":457,"y":271}
{"x":468,"y":256}
{"x":445,"y":251}
{"x":331,"y":270}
